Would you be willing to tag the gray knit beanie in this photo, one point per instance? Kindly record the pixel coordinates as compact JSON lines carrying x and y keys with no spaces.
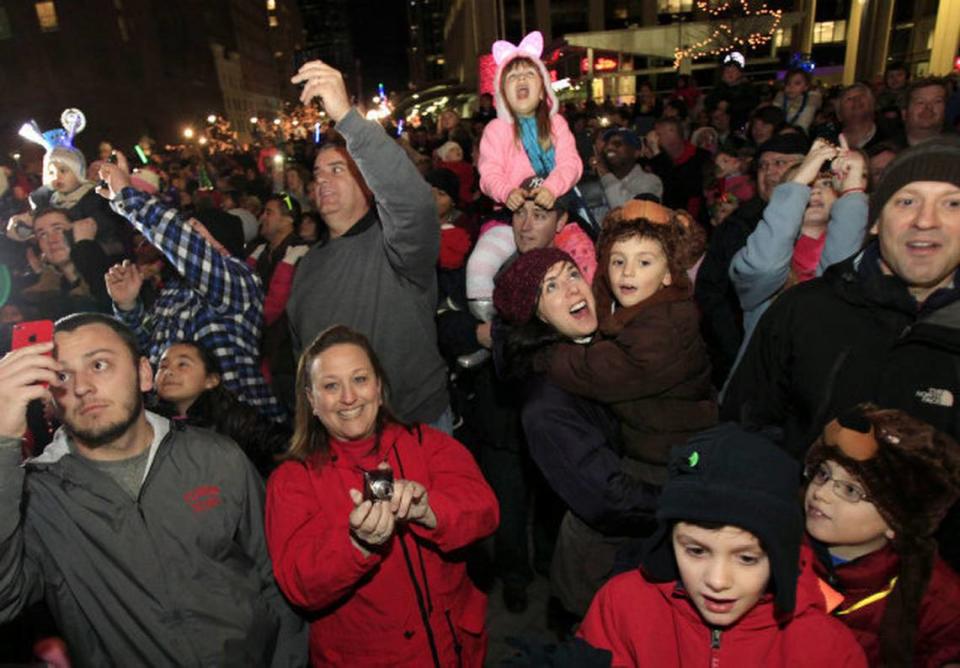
{"x":935,"y":160}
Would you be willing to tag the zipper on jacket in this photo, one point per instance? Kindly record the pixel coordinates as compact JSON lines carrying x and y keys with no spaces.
{"x":715,"y":648}
{"x":457,"y":647}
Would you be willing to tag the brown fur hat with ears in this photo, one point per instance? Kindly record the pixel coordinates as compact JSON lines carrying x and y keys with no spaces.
{"x":911,"y":473}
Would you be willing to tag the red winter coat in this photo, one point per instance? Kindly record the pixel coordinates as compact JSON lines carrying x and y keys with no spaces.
{"x":647,"y":624}
{"x":365,"y":610}
{"x":938,"y":624}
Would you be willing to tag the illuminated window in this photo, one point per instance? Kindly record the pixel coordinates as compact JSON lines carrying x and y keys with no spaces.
{"x":273,"y":22}
{"x":674,"y":6}
{"x":783,"y":37}
{"x":829,"y":31}
{"x":47,"y":16}
{"x":271,"y":5}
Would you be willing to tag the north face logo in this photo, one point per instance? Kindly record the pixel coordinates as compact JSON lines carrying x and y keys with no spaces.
{"x":203,"y":498}
{"x":936,"y":397}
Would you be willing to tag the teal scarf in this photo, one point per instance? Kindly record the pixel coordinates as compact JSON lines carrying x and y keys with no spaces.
{"x":543,"y":161}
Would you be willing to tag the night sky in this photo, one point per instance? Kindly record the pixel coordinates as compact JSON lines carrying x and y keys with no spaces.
{"x":380,"y":38}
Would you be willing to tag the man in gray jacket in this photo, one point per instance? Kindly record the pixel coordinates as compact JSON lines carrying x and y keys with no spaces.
{"x":374,"y":268}
{"x":144,"y":537}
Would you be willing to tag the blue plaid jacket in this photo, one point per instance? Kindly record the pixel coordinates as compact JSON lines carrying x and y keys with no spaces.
{"x":216,"y":301}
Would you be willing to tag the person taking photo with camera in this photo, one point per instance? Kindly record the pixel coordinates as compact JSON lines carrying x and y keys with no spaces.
{"x":380,"y":572}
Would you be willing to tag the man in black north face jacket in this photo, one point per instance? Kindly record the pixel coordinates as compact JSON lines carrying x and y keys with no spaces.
{"x":882,"y":326}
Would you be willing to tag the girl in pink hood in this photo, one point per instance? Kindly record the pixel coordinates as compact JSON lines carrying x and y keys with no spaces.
{"x":528,"y":137}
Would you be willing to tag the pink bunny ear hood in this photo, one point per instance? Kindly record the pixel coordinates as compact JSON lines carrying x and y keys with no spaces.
{"x":530,"y":47}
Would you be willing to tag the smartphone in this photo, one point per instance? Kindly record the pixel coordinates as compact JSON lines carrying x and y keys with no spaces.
{"x":303,"y":56}
{"x":31,"y":333}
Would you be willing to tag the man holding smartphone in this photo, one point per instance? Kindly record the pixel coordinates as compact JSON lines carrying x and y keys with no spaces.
{"x":144,"y":537}
{"x":374,"y":267}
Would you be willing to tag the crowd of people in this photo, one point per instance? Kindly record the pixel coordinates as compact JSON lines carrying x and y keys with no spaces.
{"x":693,"y":359}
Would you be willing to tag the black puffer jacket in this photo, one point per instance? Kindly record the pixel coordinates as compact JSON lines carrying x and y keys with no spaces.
{"x":851,"y":336}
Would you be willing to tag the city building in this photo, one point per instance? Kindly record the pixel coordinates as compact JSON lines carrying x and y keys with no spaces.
{"x":138,"y":67}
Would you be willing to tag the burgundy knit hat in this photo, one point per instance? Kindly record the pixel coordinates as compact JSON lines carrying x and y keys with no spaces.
{"x":517,"y":289}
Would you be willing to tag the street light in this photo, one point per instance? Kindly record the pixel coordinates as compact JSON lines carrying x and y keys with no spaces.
{"x":202,"y":140}
{"x":212,"y":118}
{"x":254,"y":120}
{"x":276,"y":121}
{"x":188,"y":133}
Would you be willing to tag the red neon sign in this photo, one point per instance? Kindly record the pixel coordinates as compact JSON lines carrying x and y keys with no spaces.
{"x":600,"y":64}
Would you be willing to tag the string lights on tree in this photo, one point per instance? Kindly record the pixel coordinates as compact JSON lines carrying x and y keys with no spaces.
{"x":762,"y":24}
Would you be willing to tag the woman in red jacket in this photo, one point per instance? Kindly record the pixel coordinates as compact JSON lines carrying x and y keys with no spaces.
{"x":379,"y":572}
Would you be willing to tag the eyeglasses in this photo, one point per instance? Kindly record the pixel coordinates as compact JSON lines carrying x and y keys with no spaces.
{"x":820,"y":475}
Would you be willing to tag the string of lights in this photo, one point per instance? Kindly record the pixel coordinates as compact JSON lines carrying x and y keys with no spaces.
{"x":725,"y":36}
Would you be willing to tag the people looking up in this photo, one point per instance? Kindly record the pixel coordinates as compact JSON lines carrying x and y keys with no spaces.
{"x":533,"y":226}
{"x":65,"y":183}
{"x":734,"y":89}
{"x":212,"y":298}
{"x":856,"y":109}
{"x":722,"y":318}
{"x":802,"y":367}
{"x":679,"y":164}
{"x":798,"y":99}
{"x":357,"y":551}
{"x":133,"y":521}
{"x":374,"y":267}
{"x":189,"y":387}
{"x":275,"y":262}
{"x":649,"y":361}
{"x":529,"y":137}
{"x":815,"y":219}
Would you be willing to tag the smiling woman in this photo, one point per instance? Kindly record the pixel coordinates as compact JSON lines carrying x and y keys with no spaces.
{"x":362,"y":561}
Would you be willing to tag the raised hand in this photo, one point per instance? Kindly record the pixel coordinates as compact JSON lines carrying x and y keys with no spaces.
{"x":809,"y":169}
{"x":22,"y":376}
{"x":124,"y":281}
{"x":116,"y":176}
{"x":849,"y":168}
{"x":326,"y":83}
{"x":84,"y":229}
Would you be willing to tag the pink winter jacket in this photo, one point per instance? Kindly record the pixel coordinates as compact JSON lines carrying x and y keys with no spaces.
{"x":503,"y":164}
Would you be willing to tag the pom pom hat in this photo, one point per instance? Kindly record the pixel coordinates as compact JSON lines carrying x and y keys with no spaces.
{"x":504,"y":52}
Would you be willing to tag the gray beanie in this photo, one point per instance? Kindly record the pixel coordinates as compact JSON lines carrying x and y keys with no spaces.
{"x":934,"y":160}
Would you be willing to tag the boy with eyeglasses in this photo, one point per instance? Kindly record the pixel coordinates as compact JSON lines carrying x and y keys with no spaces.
{"x":879,"y":483}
